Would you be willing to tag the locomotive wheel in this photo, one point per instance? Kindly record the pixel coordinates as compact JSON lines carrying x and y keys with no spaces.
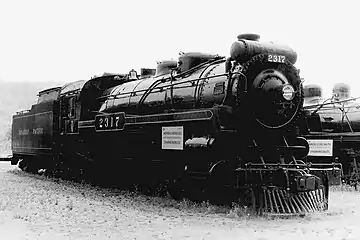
{"x":22,"y":165}
{"x":248,"y":199}
{"x":219,"y":189}
{"x":218,"y":193}
{"x":175,"y":189}
{"x":25,"y":165}
{"x":150,"y":188}
{"x":325,"y":203}
{"x":193,"y":189}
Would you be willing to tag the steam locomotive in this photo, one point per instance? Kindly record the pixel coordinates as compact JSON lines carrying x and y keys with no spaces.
{"x":207,"y":127}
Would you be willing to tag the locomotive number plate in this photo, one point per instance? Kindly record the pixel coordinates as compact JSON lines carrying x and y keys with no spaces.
{"x":110,"y":122}
{"x":276,"y":58}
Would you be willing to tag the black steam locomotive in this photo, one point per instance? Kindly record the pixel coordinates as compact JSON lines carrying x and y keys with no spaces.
{"x":206,"y":127}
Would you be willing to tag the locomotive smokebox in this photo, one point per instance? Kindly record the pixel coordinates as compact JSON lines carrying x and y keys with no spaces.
{"x":274,"y":91}
{"x":248,"y":46}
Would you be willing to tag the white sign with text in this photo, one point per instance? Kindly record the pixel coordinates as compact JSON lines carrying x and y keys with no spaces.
{"x":320,"y":147}
{"x":172,"y":138}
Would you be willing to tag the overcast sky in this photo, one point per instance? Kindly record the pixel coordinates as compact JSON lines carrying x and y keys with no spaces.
{"x":70,"y":40}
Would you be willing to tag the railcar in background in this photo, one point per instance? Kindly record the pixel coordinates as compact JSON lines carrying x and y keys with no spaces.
{"x":332,"y":128}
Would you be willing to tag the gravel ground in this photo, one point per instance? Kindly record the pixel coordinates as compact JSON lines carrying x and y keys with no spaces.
{"x":36,"y":207}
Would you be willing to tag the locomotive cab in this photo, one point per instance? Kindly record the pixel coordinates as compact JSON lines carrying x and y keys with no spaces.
{"x":81,"y":100}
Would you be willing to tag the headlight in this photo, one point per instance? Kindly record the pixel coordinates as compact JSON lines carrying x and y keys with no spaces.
{"x":288,"y":92}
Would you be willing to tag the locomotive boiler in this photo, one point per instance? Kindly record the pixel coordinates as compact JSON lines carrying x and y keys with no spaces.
{"x":205,"y":126}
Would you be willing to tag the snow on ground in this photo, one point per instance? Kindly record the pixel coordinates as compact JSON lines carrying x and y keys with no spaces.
{"x":36,"y":207}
